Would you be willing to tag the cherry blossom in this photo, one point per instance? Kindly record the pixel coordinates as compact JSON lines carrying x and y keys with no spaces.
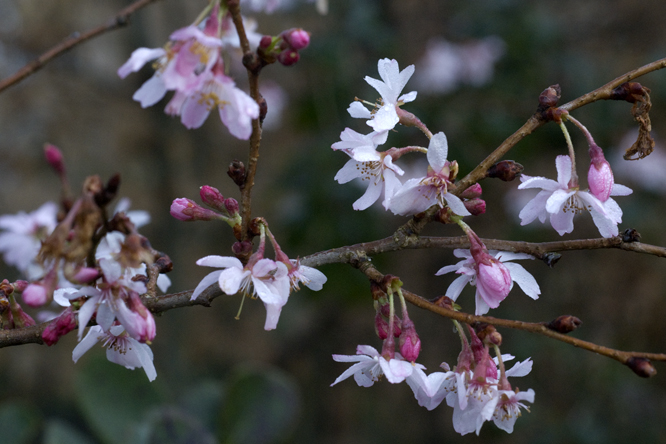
{"x":419,"y":194}
{"x":561,"y":200}
{"x":361,"y":147}
{"x":261,"y":277}
{"x":21,"y":240}
{"x":469,"y":271}
{"x":121,"y":349}
{"x":380,"y":175}
{"x":389,"y":87}
{"x":371,"y":365}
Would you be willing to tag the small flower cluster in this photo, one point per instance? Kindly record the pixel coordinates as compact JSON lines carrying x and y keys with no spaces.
{"x":477,"y":388}
{"x":378,"y":169}
{"x":270,"y":280}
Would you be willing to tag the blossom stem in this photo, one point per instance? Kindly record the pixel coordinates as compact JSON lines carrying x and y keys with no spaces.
{"x":205,"y":13}
{"x":580,"y":126}
{"x":503,"y":381}
{"x":461,"y":333}
{"x":572,"y":154}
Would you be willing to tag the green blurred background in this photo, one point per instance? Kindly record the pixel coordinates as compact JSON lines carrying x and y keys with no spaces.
{"x":221,"y":380}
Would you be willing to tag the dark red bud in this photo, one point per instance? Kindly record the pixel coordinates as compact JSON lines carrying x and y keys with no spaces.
{"x":288,"y":57}
{"x":642,"y":367}
{"x":475,"y":206}
{"x":506,"y":170}
{"x":265,"y":42}
{"x":564,"y":324}
{"x":237,"y":172}
{"x":472,"y":192}
{"x":242,"y":248}
{"x":551,"y":259}
{"x":549,"y":97}
{"x":628,"y":91}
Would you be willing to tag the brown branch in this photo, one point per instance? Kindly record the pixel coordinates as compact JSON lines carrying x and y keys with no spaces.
{"x":255,"y":138}
{"x":349,"y":253}
{"x":539,"y":328}
{"x":119,"y":21}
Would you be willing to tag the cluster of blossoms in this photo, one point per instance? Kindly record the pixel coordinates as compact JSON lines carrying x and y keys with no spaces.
{"x":477,"y":388}
{"x":270,"y":280}
{"x":192,"y":65}
{"x":106,"y":291}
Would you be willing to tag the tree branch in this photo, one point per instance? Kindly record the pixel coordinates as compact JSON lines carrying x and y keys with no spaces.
{"x":119,"y":21}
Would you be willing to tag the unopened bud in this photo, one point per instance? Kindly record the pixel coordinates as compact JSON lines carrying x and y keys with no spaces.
{"x":381,"y":326}
{"x":549,"y":97}
{"x":231,"y":206}
{"x":86,"y":274}
{"x":242,"y":248}
{"x":410,"y":343}
{"x":631,"y":235}
{"x":212,"y":197}
{"x":629,"y":91}
{"x":187,"y":210}
{"x":62,"y":325}
{"x":265,"y":42}
{"x":565,"y":324}
{"x":54,"y":158}
{"x":472,"y":192}
{"x":444,"y":302}
{"x":21,"y":319}
{"x":642,"y":367}
{"x":376,"y":291}
{"x":237,"y":172}
{"x":506,"y":170}
{"x":296,"y":38}
{"x":263,"y":108}
{"x":488,"y":334}
{"x":475,"y":206}
{"x":288,"y":57}
{"x":35,"y":295}
{"x":164,"y":264}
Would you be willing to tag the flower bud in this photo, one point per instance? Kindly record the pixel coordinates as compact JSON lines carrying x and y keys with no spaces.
{"x":381,"y":326}
{"x":242,"y":248}
{"x":54,"y":158}
{"x":187,"y":210}
{"x":628,"y":235}
{"x":212,"y":197}
{"x":265,"y":42}
{"x":288,"y":57}
{"x":35,"y":295}
{"x":642,"y":367}
{"x":86,"y":274}
{"x":506,"y":170}
{"x":296,"y":38}
{"x":564,"y":324}
{"x":551,"y":258}
{"x":472,"y":192}
{"x":599,"y":176}
{"x":237,"y":172}
{"x":475,"y":206}
{"x":410,"y":343}
{"x":62,"y":325}
{"x":549,"y":97}
{"x":21,"y":319}
{"x":231,"y":206}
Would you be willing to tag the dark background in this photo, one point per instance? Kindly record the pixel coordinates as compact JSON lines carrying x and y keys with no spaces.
{"x":230,"y":381}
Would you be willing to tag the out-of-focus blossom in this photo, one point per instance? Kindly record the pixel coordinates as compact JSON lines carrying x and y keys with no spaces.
{"x":121,"y":349}
{"x":468,"y":269}
{"x":419,"y":194}
{"x":447,"y":65}
{"x":276,"y":100}
{"x":21,"y":240}
{"x":562,"y":200}
{"x":371,"y":365}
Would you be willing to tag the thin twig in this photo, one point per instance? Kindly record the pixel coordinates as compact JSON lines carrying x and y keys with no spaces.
{"x":119,"y":21}
{"x":622,"y":356}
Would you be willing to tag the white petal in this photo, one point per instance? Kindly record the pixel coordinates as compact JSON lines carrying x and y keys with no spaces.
{"x":220,"y":262}
{"x":457,"y":286}
{"x":456,"y":205}
{"x":150,"y":92}
{"x":87,"y":343}
{"x":357,"y":110}
{"x":438,"y":149}
{"x":139,"y":57}
{"x":206,"y":282}
{"x":563,"y":165}
{"x":524,"y":279}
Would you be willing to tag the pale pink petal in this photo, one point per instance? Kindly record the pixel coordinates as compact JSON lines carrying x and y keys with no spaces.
{"x":358,"y":111}
{"x":206,"y":282}
{"x":438,"y":149}
{"x":562,"y":222}
{"x":524,"y":279}
{"x":150,"y":92}
{"x":369,"y":197}
{"x":139,"y":57}
{"x":563,"y":165}
{"x":220,"y":262}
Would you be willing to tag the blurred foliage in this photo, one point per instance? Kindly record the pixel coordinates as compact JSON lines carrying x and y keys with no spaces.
{"x":204,"y":391}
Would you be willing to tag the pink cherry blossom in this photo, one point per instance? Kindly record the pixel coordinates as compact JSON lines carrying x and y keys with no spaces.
{"x":417,"y":195}
{"x":121,"y":349}
{"x":561,"y":200}
{"x":264,"y":278}
{"x":371,"y":365}
{"x":488,"y":278}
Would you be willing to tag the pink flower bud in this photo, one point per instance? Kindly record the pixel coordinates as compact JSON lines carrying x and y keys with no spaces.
{"x":231,"y":206}
{"x":599,"y":176}
{"x":381,"y":326}
{"x":265,"y":42}
{"x":493,"y":280}
{"x":475,"y":206}
{"x":20,"y":286}
{"x":62,"y":325}
{"x":54,"y":158}
{"x":187,"y":210}
{"x":296,"y":38}
{"x":288,"y":57}
{"x":242,"y":248}
{"x":410,"y":343}
{"x":35,"y":295}
{"x":86,"y":275}
{"x":472,"y":192}
{"x":21,"y":319}
{"x":137,"y":319}
{"x":212,"y":197}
